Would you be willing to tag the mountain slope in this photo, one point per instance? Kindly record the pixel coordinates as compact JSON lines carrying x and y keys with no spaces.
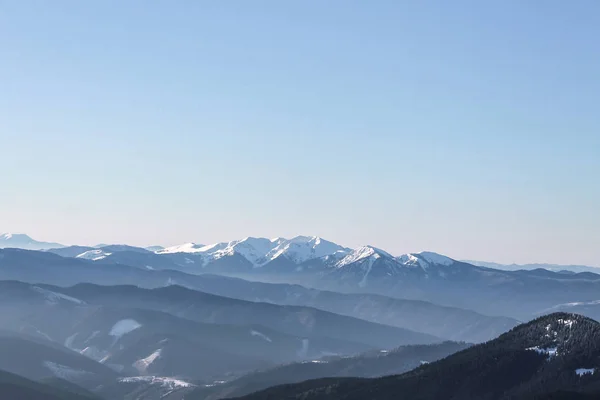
{"x":41,"y":360}
{"x":445,"y":322}
{"x":16,"y":387}
{"x":22,"y":241}
{"x":307,"y":322}
{"x":554,"y":353}
{"x":116,"y":248}
{"x":137,"y":341}
{"x":70,"y":251}
{"x":370,"y":364}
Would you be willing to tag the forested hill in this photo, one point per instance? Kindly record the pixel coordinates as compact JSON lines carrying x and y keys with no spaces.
{"x":551,"y":357}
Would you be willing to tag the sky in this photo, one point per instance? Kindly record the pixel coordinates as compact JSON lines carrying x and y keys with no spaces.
{"x":467,"y":128}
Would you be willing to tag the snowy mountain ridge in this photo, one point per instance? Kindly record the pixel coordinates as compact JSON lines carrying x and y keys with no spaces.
{"x":302,"y":249}
{"x":260,"y":251}
{"x":256,"y":252}
{"x":362,"y":253}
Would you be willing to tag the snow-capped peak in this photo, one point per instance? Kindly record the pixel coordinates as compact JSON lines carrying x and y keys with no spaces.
{"x":424,"y":259}
{"x":303,"y":248}
{"x":362,"y":253}
{"x":260,"y":251}
{"x":184,"y":248}
{"x":410,"y":260}
{"x":435,"y":258}
{"x":15,"y":236}
{"x":253,"y":249}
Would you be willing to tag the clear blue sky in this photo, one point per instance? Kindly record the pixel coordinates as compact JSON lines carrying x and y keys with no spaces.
{"x":468,"y":128}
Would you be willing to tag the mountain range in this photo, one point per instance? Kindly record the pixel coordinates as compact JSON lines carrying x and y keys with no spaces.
{"x":259,"y":252}
{"x":421,"y":276}
{"x":120,"y":321}
{"x":229,"y":319}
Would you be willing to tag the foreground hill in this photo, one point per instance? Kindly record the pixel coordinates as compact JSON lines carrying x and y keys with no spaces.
{"x":551,"y":357}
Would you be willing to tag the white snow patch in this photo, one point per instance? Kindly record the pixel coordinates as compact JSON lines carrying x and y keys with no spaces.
{"x":55,"y":298}
{"x":215,"y":383}
{"x":184,"y":248}
{"x":370,"y":261}
{"x":123,"y":327}
{"x":585,"y":371}
{"x":94,"y":255}
{"x":361,"y":253}
{"x":567,"y":322}
{"x":94,"y":353}
{"x":143,"y":364}
{"x":435,"y":258}
{"x":168,"y":383}
{"x":424,"y":362}
{"x":69,"y":341}
{"x":549,"y":351}
{"x":64,"y":372}
{"x":254,"y":250}
{"x":303,"y":248}
{"x":424,"y":259}
{"x":261,"y":335}
{"x":105,"y":358}
{"x":260,"y":251}
{"x":412,"y":261}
